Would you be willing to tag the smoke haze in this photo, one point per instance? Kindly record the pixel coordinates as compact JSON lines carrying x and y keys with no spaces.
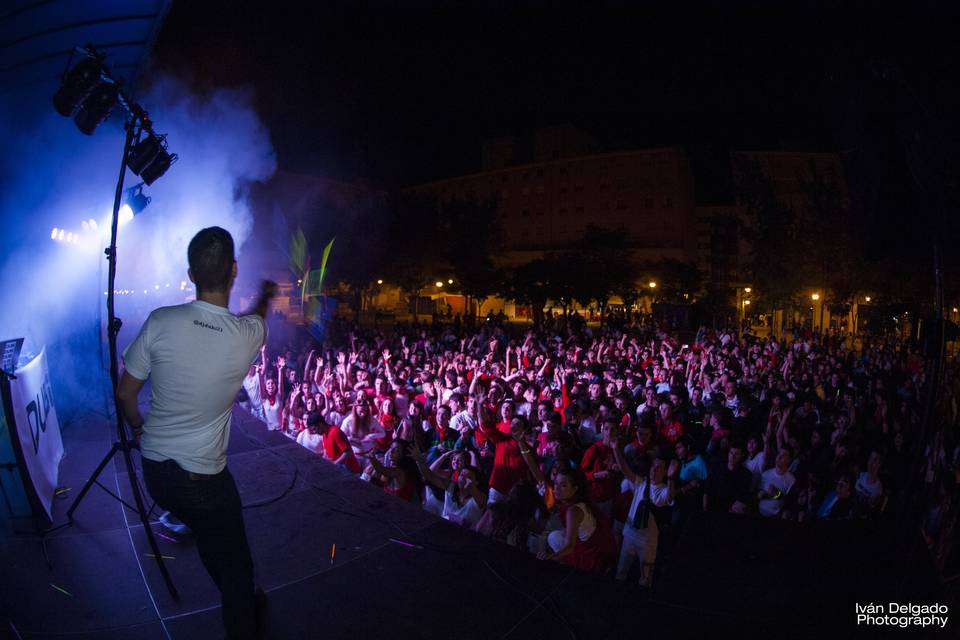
{"x":52,"y":293}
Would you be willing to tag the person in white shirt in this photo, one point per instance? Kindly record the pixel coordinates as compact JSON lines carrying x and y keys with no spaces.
{"x":756,"y":459}
{"x":466,"y":420}
{"x":253,"y":385}
{"x":311,"y":438}
{"x":196,"y":356}
{"x":362,"y":430}
{"x":776,"y":484}
{"x":869,"y":487}
{"x":651,"y":490}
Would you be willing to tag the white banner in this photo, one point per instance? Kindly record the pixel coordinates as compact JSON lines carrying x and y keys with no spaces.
{"x":38,"y":428}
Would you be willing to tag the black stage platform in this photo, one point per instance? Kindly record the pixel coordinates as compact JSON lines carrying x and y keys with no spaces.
{"x":458,"y":585}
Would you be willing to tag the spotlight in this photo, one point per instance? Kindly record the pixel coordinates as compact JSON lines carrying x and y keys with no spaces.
{"x":93,"y":224}
{"x":53,"y":234}
{"x":97,"y":107}
{"x":136,"y":200}
{"x":61,"y":234}
{"x":126,"y":214}
{"x":143,"y":153}
{"x":77,"y":85}
{"x":158,"y":166}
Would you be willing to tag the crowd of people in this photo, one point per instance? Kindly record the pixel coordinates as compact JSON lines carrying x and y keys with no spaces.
{"x":592,"y":446}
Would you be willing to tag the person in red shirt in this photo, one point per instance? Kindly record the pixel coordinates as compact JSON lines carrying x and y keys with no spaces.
{"x":336,"y":447}
{"x":670,"y":429}
{"x":600,"y":468}
{"x":509,"y":466}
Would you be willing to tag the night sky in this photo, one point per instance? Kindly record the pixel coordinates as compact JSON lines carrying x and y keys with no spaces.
{"x":398,"y":98}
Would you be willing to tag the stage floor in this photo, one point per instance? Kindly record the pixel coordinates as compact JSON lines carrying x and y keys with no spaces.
{"x":102,"y":584}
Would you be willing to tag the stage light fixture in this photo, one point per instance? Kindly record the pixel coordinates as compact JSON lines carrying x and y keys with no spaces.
{"x":77,"y":85}
{"x":97,"y":107}
{"x":143,"y":153}
{"x":136,"y":199}
{"x":158,"y":166}
{"x":126,"y":214}
{"x":53,"y":234}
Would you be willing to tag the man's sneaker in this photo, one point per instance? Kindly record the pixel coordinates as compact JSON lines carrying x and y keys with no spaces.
{"x":172,"y":523}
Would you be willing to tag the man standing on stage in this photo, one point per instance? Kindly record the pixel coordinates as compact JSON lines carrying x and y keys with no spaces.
{"x":196,"y":356}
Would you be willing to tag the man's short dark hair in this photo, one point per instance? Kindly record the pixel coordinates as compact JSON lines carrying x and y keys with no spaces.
{"x":210,"y":256}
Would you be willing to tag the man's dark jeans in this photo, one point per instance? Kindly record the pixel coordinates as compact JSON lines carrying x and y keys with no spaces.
{"x":210,"y":506}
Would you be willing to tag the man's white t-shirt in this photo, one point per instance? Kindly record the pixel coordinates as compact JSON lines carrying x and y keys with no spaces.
{"x":311,"y":441}
{"x":659,"y":496}
{"x":196,"y":356}
{"x":770,"y":507}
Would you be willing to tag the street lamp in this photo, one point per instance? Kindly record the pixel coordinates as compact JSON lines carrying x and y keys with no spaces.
{"x":450,"y":281}
{"x":379,"y":281}
{"x":815,"y":297}
{"x":867,"y":298}
{"x":747,"y":289}
{"x":746,"y":303}
{"x":653,"y":285}
{"x":439,"y":283}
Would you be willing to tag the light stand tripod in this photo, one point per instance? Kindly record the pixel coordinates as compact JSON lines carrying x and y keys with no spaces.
{"x":137,"y":122}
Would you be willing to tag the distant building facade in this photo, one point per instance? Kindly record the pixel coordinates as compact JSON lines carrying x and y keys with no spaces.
{"x":546,"y":205}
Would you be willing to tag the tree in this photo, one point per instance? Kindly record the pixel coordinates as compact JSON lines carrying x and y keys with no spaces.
{"x":602,"y":267}
{"x":776,"y":254}
{"x":416,"y":254}
{"x":471,"y":236}
{"x":530,"y":284}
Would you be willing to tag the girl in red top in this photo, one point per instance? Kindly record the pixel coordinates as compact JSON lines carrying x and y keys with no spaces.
{"x":389,"y":419}
{"x":399,"y":476}
{"x":586,"y":541}
{"x":600,"y":468}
